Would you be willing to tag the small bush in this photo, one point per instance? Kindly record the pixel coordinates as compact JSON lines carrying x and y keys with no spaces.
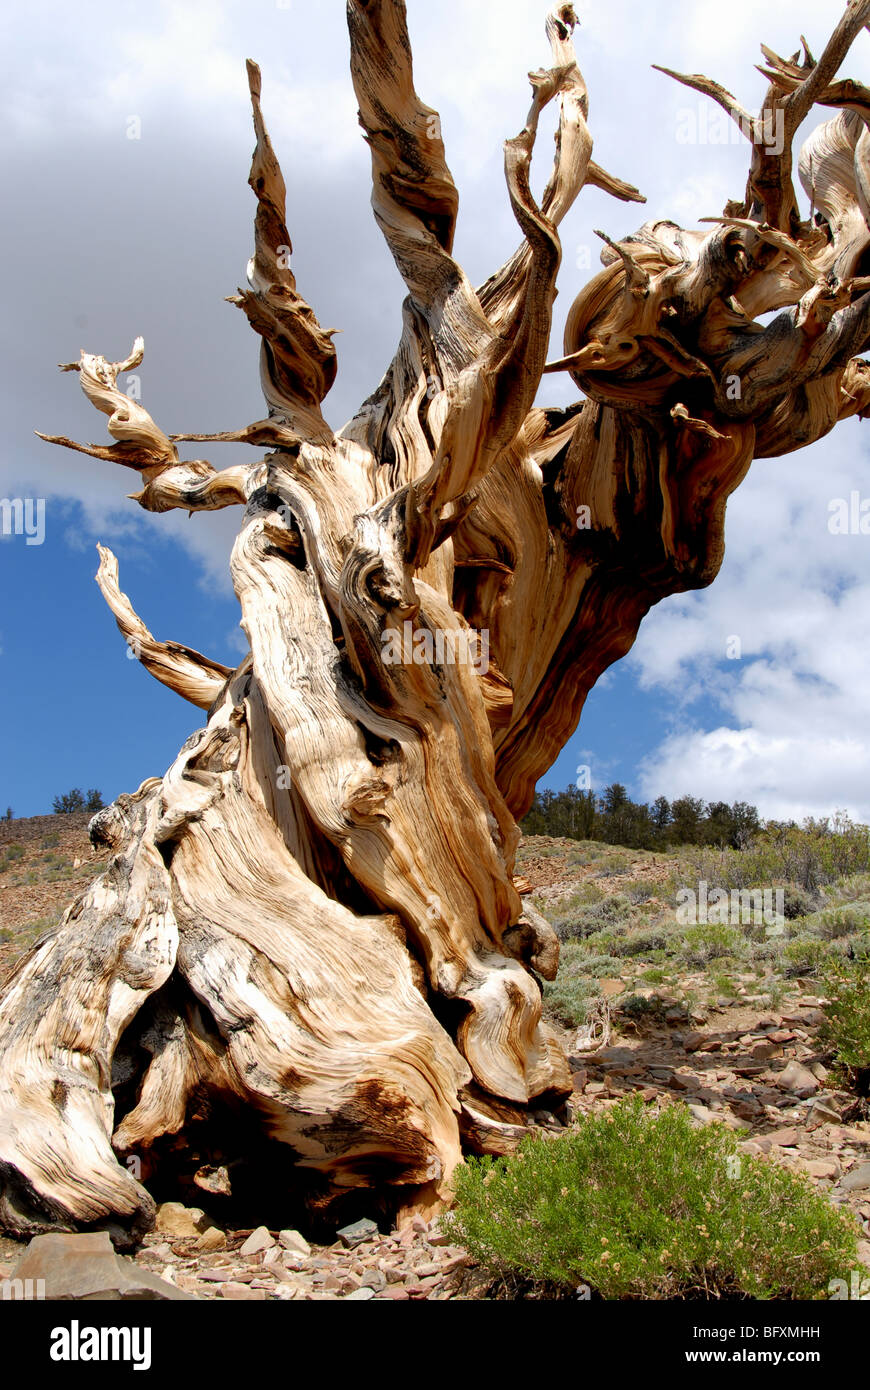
{"x":711,"y":941}
{"x":642,"y":943}
{"x":842,"y":921}
{"x":638,"y":1006}
{"x":606,"y":912}
{"x":797,"y":902}
{"x":611,"y":865}
{"x":723,"y":984}
{"x":655,"y":976}
{"x":639,"y":890}
{"x":601,"y":966}
{"x":568,"y":996}
{"x":802,"y":956}
{"x":847,"y":1019}
{"x":644,"y":1206}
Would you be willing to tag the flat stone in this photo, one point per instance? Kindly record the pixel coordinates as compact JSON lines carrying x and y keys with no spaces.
{"x":747,"y":1108}
{"x":360,"y":1296}
{"x":857,"y":1180}
{"x":175,"y":1219}
{"x":292,"y":1240}
{"x":86,"y":1267}
{"x":822,"y":1113}
{"x":687,"y":1080}
{"x":212,"y":1239}
{"x":694,"y":1042}
{"x":292,"y":1259}
{"x":799,"y":1080}
{"x":258,"y":1240}
{"x":707,"y":1116}
{"x":358,"y":1232}
{"x":241,"y":1293}
{"x":161,"y":1250}
{"x":784,"y":1138}
{"x":420,"y":1288}
{"x":823,"y":1168}
{"x":620,"y":1056}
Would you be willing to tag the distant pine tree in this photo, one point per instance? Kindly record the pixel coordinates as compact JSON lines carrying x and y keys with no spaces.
{"x":615,"y":819}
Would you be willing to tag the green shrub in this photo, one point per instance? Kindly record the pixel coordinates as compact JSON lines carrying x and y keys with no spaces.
{"x":846,"y":1025}
{"x":642,"y":943}
{"x":638,"y":1006}
{"x":610,"y":865}
{"x":710,"y":941}
{"x":568,"y":996}
{"x":639,"y":890}
{"x":638,"y":1205}
{"x":842,"y":921}
{"x":797,"y":902}
{"x":723,"y":984}
{"x":606,"y":912}
{"x":601,"y":966}
{"x":802,"y":956}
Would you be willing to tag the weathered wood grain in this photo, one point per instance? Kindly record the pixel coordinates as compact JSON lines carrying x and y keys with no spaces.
{"x":314,"y":916}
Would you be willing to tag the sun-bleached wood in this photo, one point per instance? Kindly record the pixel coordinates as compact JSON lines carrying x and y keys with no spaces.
{"x":313,"y":918}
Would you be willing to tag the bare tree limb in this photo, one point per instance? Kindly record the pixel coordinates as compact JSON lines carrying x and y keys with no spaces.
{"x":192,"y":676}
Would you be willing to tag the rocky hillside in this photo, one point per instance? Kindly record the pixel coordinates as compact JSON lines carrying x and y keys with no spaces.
{"x":723,"y":1018}
{"x":45,"y":862}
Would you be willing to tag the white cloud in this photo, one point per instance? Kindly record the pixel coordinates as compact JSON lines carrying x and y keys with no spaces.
{"x":797,"y":706}
{"x":111,"y":237}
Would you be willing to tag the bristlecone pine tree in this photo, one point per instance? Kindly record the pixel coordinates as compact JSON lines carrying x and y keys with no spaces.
{"x":309,"y":948}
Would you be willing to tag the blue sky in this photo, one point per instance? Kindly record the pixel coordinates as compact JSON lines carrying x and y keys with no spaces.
{"x":106,"y":238}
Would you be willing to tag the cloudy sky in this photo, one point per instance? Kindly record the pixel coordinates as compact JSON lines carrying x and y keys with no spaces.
{"x":106,"y":237}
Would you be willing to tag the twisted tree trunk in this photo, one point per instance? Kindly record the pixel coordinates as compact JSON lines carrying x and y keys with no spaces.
{"x":312,"y":921}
